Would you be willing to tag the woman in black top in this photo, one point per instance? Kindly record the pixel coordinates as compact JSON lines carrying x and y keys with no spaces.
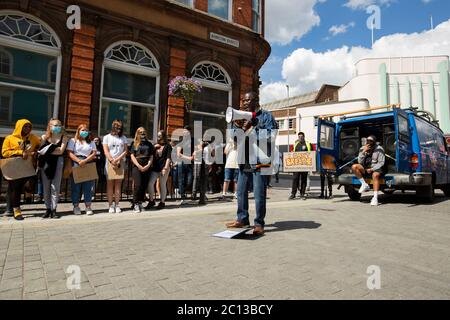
{"x":160,"y":169}
{"x":142,"y":156}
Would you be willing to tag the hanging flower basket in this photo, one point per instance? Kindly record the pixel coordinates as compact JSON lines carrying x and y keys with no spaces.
{"x":186,"y":88}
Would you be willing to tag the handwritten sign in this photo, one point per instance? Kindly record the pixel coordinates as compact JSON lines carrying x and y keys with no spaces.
{"x":299,"y":161}
{"x":116,"y":173}
{"x":86,"y":173}
{"x":17,"y":168}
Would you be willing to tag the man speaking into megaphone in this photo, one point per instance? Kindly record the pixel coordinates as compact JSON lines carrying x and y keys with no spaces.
{"x":254,"y":129}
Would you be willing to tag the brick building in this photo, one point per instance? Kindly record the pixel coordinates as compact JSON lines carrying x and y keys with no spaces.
{"x":118,"y":64}
{"x":287,"y":113}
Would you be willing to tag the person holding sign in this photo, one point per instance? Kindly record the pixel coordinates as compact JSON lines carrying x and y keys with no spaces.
{"x":115,"y":146}
{"x":300,"y":146}
{"x":51,"y":163}
{"x":142,"y":157}
{"x":21,"y":144}
{"x":81,"y":151}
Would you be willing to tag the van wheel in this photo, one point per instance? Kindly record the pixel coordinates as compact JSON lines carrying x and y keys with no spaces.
{"x":352,"y":193}
{"x":446,"y":190}
{"x":426,"y":193}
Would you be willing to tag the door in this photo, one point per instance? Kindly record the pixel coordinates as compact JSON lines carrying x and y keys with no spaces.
{"x":402,"y":141}
{"x":327,"y":146}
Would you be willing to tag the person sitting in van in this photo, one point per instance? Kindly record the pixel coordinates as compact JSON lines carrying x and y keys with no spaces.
{"x":371,"y":161}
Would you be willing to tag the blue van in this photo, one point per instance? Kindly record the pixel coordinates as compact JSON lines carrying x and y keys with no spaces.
{"x":417,"y":153}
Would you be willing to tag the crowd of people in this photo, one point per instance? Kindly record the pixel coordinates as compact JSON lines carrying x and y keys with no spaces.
{"x":152,"y":171}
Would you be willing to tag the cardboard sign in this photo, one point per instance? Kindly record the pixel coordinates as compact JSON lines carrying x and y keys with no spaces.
{"x":299,"y":161}
{"x":17,"y":168}
{"x":116,"y":173}
{"x":86,"y":173}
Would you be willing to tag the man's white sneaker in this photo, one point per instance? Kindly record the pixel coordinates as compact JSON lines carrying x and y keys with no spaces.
{"x":89,"y":212}
{"x":112,"y":210}
{"x":364,"y":188}
{"x":374,"y":202}
{"x":136,"y":209}
{"x":77,"y":211}
{"x":118,"y":210}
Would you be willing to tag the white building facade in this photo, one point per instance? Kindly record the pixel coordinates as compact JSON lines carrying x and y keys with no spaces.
{"x":420,"y":82}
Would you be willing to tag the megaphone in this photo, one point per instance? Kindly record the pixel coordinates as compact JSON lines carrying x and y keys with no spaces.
{"x":233,"y":114}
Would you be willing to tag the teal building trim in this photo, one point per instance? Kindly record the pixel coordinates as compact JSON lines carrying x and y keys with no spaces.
{"x":444,"y":94}
{"x":384,"y":97}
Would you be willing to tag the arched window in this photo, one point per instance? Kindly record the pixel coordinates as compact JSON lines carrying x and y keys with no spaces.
{"x":28,"y":46}
{"x":210,"y":105}
{"x":130,"y":88}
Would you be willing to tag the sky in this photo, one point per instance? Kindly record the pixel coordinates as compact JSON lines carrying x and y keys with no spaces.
{"x":318,"y":41}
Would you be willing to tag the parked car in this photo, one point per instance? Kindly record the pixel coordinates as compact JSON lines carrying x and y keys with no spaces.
{"x":417,"y":151}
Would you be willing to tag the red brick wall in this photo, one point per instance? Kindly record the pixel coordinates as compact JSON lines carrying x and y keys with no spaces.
{"x":201,"y":5}
{"x":243,"y":16}
{"x":82,"y":66}
{"x":246,"y":81}
{"x":175,"y":106}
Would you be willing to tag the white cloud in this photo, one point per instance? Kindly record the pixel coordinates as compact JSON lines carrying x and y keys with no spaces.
{"x":288,"y":20}
{"x":343,"y":28}
{"x":363,"y":4}
{"x":305,"y":70}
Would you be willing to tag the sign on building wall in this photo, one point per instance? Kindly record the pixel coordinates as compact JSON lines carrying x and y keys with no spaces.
{"x":223,"y":39}
{"x":299,"y":161}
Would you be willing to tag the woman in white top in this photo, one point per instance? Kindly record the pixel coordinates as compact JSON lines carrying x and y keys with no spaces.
{"x":231,"y":168}
{"x":81,"y":152}
{"x":115,"y":146}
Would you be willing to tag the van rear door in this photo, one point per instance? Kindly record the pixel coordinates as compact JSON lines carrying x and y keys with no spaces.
{"x":327,"y":145}
{"x":402,"y":141}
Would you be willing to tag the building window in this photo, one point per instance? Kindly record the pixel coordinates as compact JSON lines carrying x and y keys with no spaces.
{"x":256,"y":15}
{"x":280,"y":124}
{"x":5,"y":62}
{"x":5,"y":106}
{"x":291,"y":123}
{"x":130,"y":87}
{"x":210,"y":104}
{"x":28,"y":47}
{"x":221,"y":8}
{"x":188,"y":3}
{"x":316,"y":121}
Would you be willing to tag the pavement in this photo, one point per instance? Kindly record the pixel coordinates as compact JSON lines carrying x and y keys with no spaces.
{"x":312,"y":249}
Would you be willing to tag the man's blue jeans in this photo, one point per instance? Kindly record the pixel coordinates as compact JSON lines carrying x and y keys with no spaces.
{"x":259,"y":190}
{"x":184,"y":170}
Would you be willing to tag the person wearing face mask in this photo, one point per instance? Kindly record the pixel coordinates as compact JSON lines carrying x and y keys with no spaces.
{"x":142,"y":156}
{"x":160,"y":169}
{"x":301,"y":145}
{"x":81,"y":151}
{"x":22,"y":143}
{"x":51,"y":163}
{"x":371,"y":161}
{"x":100,"y":165}
{"x":115,"y":146}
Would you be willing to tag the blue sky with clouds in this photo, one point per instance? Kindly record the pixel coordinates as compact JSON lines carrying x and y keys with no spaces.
{"x":311,"y":38}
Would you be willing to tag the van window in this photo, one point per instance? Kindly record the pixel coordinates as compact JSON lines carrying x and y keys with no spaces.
{"x":403,"y":128}
{"x":327,"y":137}
{"x":440,"y":142}
{"x":425,"y":133}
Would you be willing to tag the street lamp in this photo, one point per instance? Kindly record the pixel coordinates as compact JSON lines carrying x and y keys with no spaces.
{"x":289,"y":119}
